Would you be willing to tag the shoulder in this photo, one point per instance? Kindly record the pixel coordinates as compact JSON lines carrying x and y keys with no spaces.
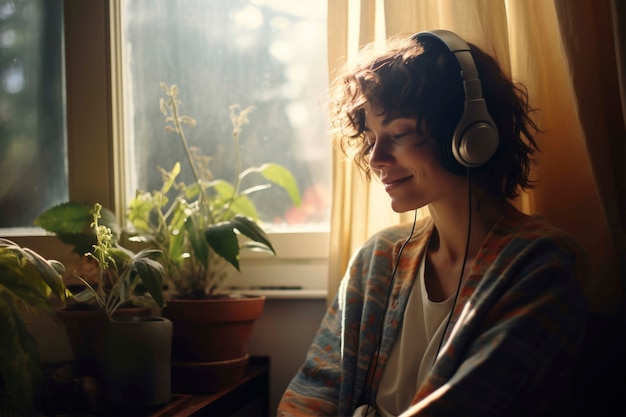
{"x":533,"y":239}
{"x":519,"y":229}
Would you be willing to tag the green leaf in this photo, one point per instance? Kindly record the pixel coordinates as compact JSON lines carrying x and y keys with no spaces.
{"x":282,"y":177}
{"x":192,"y":191}
{"x":170,"y":177}
{"x":22,"y":279}
{"x":139,"y":211}
{"x":50,"y":271}
{"x":85,"y":296}
{"x":179,"y":216}
{"x":245,"y":207}
{"x":176,"y":232}
{"x":223,"y":188}
{"x":19,"y":357}
{"x":28,"y":277}
{"x":240,"y":205}
{"x":151,"y":273}
{"x":121,"y":256}
{"x":199,"y":246}
{"x":223,"y":240}
{"x":66,"y":218}
{"x":71,"y":223}
{"x":252,"y":230}
{"x":257,"y":247}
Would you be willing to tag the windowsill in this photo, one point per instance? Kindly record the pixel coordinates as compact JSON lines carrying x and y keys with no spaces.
{"x":283,"y":293}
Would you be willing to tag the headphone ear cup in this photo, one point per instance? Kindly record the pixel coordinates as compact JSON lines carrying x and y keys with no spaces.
{"x":475,"y":138}
{"x":477,"y":145}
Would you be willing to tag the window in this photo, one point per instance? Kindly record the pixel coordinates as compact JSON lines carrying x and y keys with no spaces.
{"x":33,"y":150}
{"x":269,"y":54}
{"x":115,"y":135}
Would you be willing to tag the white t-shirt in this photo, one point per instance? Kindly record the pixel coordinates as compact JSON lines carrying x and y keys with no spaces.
{"x":414,"y":351}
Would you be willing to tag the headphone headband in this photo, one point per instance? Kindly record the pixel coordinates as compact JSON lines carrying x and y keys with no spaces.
{"x":475,"y":139}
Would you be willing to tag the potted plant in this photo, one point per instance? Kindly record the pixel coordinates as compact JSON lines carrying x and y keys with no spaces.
{"x":201,"y":227}
{"x":113,"y":279}
{"x":136,"y":350}
{"x":26,"y":282}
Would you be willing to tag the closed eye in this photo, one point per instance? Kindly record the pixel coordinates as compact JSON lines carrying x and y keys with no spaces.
{"x":401,"y":135}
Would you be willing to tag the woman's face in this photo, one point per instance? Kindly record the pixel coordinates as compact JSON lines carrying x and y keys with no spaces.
{"x":406,"y":163}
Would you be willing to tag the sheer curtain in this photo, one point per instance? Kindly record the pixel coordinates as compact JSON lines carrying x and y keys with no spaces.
{"x":570,"y":55}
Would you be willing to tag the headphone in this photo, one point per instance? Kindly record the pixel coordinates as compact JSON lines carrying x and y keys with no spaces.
{"x":475,"y":139}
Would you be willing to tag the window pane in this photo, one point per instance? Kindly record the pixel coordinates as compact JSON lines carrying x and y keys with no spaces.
{"x":267,"y":53}
{"x":33,"y":156}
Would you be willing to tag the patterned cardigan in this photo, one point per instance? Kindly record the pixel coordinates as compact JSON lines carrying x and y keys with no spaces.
{"x":515,"y":330}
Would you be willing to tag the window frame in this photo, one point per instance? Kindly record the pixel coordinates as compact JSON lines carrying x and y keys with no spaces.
{"x":96,"y":169}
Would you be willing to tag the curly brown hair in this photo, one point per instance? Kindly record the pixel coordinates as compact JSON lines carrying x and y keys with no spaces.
{"x":421,"y":79}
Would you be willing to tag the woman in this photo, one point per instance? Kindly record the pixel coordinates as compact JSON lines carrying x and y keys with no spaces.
{"x":474,"y":310}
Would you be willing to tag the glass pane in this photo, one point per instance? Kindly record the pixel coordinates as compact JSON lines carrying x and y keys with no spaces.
{"x":33,"y":151}
{"x":270,"y":54}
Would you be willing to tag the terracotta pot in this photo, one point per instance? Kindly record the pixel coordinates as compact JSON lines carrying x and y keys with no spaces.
{"x":209,"y":330}
{"x":210,"y":341}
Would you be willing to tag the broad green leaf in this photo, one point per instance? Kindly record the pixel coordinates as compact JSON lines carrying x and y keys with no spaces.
{"x":121,"y":256}
{"x":282,"y":177}
{"x":224,"y":189}
{"x":252,"y":230}
{"x":223,"y":241}
{"x":23,"y":282}
{"x":71,"y":223}
{"x":49,"y":271}
{"x":67,"y":218}
{"x":245,"y":207}
{"x":240,"y":205}
{"x":151,"y":273}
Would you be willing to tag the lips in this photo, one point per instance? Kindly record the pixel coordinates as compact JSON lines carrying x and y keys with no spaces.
{"x":391,"y":184}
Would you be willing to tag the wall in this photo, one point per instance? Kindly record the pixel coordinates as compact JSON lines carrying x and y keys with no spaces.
{"x":284,"y":333}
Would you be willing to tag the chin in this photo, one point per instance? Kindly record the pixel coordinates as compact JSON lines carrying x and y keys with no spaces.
{"x":399,"y":207}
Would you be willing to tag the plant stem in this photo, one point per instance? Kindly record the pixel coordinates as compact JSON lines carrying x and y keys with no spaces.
{"x":181,"y":134}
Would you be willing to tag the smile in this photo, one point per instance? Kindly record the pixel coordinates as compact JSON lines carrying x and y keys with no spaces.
{"x":392,"y":185}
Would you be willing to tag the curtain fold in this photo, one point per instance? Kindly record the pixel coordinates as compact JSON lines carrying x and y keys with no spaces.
{"x":570,"y":55}
{"x":590,"y":33}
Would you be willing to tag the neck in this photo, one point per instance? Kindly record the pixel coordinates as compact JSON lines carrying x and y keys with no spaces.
{"x":451,"y":225}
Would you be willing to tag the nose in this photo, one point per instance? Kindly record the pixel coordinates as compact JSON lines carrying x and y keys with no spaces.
{"x":380,"y":155}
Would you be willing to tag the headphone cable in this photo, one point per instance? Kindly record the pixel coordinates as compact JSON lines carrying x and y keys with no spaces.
{"x":382,"y":319}
{"x":467,"y":243}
